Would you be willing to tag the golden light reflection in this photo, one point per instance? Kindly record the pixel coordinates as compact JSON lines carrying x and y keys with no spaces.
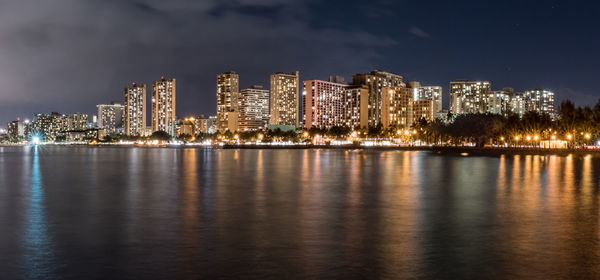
{"x":548,"y":194}
{"x":190,"y":197}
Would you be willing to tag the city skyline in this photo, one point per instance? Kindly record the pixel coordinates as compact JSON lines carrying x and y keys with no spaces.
{"x":506,"y":52}
{"x":335,"y":102}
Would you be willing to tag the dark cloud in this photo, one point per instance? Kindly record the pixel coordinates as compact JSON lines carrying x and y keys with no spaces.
{"x":418,"y":32}
{"x":70,"y":55}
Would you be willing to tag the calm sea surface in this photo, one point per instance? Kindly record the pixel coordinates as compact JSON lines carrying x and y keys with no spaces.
{"x":112,"y":213}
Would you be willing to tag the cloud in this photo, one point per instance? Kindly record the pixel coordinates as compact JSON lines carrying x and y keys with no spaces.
{"x":418,"y":32}
{"x":69,"y":55}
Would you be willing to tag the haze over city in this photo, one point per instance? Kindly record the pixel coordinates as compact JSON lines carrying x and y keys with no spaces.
{"x":68,"y":56}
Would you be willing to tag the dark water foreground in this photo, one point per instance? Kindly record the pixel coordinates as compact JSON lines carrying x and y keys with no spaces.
{"x":112,"y":213}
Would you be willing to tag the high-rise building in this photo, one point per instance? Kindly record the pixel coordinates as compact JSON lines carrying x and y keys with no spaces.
{"x":228,"y":101}
{"x":17,"y":129}
{"x":76,"y":121}
{"x":110,"y":117}
{"x":284,"y":99}
{"x":427,"y":101}
{"x":206,"y":124}
{"x":323,"y":104}
{"x":469,"y":97}
{"x":375,"y":82}
{"x":135,"y":110}
{"x":254,"y":108}
{"x":397,"y":107}
{"x":48,"y":126}
{"x":356,"y":106}
{"x":498,"y":101}
{"x":518,"y":104}
{"x":163,"y":105}
{"x":541,"y":101}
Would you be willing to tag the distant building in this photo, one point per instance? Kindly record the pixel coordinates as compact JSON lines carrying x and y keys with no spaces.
{"x":323,"y":104}
{"x":110,"y":117}
{"x":445,"y":116}
{"x":48,"y":126}
{"x":518,"y":104}
{"x":254,"y":109}
{"x":185,"y":126}
{"x":206,"y":124}
{"x":84,"y":135}
{"x":499,"y":101}
{"x":227,"y":101}
{"x":163,"y":105}
{"x":17,"y":129}
{"x":541,"y":101}
{"x":375,"y":82}
{"x":76,"y":121}
{"x":284,"y":99}
{"x":356,"y":106}
{"x":397,"y":107}
{"x":469,"y":97}
{"x":477,"y":97}
{"x":427,"y":101}
{"x":135,"y":110}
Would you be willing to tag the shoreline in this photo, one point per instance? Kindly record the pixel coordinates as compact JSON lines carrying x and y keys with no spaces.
{"x":434,"y":149}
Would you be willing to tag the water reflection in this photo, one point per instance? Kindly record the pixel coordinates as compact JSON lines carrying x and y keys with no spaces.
{"x":222,"y":214}
{"x":39,"y":258}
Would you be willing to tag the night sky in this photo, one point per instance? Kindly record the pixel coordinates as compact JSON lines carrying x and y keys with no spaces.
{"x":69,"y":55}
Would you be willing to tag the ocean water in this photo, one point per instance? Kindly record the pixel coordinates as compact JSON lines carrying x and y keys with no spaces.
{"x":201,"y":213}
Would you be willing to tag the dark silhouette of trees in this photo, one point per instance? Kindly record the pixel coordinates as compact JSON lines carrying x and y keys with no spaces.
{"x":160,"y":135}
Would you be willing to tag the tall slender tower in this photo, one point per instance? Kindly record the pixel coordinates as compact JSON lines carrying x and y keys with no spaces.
{"x":135,"y":110}
{"x":228,"y":101}
{"x":163,"y":105}
{"x":284,"y":99}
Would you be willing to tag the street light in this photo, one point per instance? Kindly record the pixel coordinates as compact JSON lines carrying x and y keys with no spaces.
{"x":569,"y":136}
{"x":587,"y":136}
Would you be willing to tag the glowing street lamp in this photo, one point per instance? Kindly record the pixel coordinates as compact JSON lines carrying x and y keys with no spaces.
{"x":528,"y":138}
{"x":569,"y":136}
{"x":553,"y":137}
{"x":305,"y":134}
{"x":536,"y":138}
{"x":587,"y":136}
